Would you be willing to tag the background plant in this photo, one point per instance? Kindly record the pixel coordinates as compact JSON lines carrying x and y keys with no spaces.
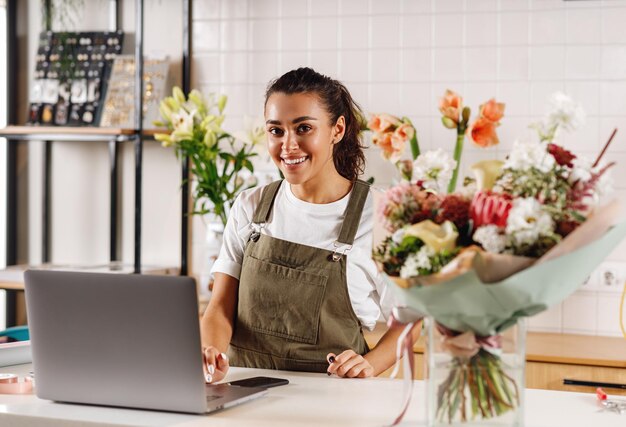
{"x":218,"y":160}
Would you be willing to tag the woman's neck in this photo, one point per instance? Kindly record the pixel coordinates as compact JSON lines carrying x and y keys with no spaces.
{"x":322,"y":191}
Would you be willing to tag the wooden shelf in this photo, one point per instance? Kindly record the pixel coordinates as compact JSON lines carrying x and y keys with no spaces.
{"x":12,"y":278}
{"x":70,"y":130}
{"x":73,"y":133}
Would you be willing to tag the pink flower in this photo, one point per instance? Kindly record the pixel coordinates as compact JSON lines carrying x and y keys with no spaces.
{"x":451,"y":105}
{"x":383,"y":122}
{"x":483,"y":132}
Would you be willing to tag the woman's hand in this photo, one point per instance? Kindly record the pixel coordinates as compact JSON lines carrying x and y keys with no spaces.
{"x":215,"y":364}
{"x":349,"y":365}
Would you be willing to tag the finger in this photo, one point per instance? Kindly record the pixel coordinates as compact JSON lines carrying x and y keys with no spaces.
{"x":330,"y":357}
{"x":345,"y":356}
{"x":222,"y":362}
{"x":368,"y":372}
{"x":337,"y":361}
{"x":358,"y":369}
{"x":209,"y":363}
{"x":345,"y":367}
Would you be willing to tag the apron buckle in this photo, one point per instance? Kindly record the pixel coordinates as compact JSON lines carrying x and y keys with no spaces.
{"x":256,"y":231}
{"x":340,"y":250}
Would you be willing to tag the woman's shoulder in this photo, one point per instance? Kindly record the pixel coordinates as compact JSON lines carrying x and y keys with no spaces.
{"x":249,"y":199}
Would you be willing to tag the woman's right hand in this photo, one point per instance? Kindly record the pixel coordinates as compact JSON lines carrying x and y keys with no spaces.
{"x":215,"y":364}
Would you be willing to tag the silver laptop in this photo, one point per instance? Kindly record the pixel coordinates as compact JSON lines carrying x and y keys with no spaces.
{"x":121,"y":340}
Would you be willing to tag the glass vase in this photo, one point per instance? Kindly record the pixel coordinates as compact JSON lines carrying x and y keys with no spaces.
{"x":480,"y":387}
{"x":210,"y":251}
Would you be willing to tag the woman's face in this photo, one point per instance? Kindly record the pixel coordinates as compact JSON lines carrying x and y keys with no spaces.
{"x":301,"y":136}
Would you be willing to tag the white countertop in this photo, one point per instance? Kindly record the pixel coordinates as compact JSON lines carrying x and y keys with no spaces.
{"x":309,"y":400}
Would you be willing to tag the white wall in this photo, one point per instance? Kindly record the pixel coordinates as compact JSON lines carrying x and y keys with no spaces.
{"x":396,"y":56}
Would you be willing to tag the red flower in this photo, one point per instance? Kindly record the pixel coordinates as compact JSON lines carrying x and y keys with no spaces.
{"x":490,"y":208}
{"x":454,"y":208}
{"x":561,"y":155}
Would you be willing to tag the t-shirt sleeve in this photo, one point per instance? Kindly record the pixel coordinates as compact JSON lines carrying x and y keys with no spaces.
{"x":386,"y":296}
{"x":236,"y":235}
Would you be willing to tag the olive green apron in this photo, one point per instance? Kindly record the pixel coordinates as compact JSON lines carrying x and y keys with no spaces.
{"x":293,"y":307}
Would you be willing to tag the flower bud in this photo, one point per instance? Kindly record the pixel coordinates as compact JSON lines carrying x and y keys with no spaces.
{"x":466,"y":115}
{"x":221,"y":103}
{"x":179,"y":96}
{"x":448,"y":122}
{"x":210,"y":139}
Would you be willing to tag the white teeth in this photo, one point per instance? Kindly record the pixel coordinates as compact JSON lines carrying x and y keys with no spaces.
{"x":294,"y":161}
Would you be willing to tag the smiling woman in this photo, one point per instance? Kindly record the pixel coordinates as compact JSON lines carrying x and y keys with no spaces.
{"x":295,"y":283}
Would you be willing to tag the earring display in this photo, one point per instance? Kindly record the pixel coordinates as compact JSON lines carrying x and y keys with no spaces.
{"x":119,"y":104}
{"x":71,"y":71}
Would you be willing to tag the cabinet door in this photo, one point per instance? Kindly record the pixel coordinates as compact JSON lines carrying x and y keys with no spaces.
{"x":549,"y":376}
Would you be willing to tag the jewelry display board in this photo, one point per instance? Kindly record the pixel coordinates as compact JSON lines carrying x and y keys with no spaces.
{"x":119,"y":104}
{"x":71,"y":71}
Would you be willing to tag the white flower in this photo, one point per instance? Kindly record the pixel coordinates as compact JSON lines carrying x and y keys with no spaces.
{"x":605,"y":184}
{"x":398,"y":236}
{"x":565,"y":113}
{"x":468,"y":191}
{"x":416,"y":261}
{"x":527,"y":221}
{"x":528,"y":154}
{"x":254,"y":133}
{"x":183,"y":122}
{"x":581,"y":170}
{"x":434,"y":169}
{"x":490,"y":238}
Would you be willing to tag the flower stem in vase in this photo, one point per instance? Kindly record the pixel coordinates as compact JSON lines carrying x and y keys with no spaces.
{"x":492,"y":392}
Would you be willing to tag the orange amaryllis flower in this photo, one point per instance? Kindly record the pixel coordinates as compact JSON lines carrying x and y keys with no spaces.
{"x":492,"y":110}
{"x":382,"y":122}
{"x":451,"y":105}
{"x":403,"y":133}
{"x":392,"y":150}
{"x":483,"y":132}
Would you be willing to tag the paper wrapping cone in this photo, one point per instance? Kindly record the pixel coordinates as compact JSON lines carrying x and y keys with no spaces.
{"x":463,"y":301}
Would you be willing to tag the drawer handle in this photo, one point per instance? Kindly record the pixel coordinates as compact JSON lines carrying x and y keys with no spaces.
{"x":593,"y":384}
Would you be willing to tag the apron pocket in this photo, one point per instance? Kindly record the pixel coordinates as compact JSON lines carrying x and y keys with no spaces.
{"x":280,"y":301}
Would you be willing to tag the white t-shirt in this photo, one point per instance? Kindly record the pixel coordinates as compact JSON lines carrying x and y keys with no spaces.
{"x":315,"y":225}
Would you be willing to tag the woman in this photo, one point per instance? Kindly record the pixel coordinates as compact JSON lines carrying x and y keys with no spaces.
{"x":294,"y":281}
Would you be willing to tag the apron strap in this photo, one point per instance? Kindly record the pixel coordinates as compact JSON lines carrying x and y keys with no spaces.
{"x":262,"y":212}
{"x":352,"y":219}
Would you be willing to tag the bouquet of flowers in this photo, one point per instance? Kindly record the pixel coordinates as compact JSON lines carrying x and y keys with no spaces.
{"x":520,"y":236}
{"x":218,"y":159}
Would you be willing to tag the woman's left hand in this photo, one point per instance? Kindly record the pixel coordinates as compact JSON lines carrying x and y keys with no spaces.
{"x":349,"y":365}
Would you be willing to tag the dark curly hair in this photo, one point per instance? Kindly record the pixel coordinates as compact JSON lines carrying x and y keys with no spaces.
{"x":348,"y":154}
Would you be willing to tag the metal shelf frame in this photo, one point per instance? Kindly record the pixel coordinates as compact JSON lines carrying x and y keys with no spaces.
{"x":114,"y":138}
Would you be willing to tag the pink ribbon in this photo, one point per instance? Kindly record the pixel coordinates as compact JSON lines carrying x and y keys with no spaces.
{"x":466,"y":344}
{"x":405,"y":348}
